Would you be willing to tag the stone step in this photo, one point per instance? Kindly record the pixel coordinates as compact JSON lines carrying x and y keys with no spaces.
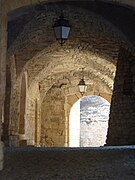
{"x":114,"y":163}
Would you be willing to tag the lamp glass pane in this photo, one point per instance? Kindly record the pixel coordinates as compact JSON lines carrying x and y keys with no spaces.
{"x":82,"y":88}
{"x":85,"y":88}
{"x":65,"y":32}
{"x":57,"y":32}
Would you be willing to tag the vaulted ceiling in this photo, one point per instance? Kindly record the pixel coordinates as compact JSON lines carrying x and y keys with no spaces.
{"x":14,"y":4}
{"x":31,"y":40}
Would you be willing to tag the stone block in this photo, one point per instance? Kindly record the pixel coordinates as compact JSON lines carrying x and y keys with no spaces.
{"x":1,"y":155}
{"x":23,"y":143}
{"x":14,"y":140}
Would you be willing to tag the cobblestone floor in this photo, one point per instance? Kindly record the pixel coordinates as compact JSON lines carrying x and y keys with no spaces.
{"x":69,"y":164}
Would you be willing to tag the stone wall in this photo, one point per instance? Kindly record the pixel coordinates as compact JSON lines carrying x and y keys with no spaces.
{"x":15,"y":108}
{"x":121,"y":122}
{"x":1,"y":155}
{"x":5,"y":135}
{"x":30,"y":122}
{"x":53,"y":119}
{"x":3,"y":53}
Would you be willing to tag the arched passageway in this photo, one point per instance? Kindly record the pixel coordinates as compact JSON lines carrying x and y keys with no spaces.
{"x":89,"y":122}
{"x":53,"y":71}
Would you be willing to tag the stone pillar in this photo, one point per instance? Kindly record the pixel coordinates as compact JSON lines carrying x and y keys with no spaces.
{"x":121,"y":129}
{"x":37,"y":123}
{"x":53,"y":118}
{"x":67,"y":108}
{"x":3,"y":48}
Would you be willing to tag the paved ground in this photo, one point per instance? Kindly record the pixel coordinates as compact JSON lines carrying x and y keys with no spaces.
{"x":69,"y":164}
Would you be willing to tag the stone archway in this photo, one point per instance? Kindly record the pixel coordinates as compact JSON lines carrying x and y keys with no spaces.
{"x":88,"y":122}
{"x":94,"y":117}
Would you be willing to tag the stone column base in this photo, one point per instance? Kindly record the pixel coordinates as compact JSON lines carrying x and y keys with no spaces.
{"x":22,"y":140}
{"x":1,"y":154}
{"x":14,"y":140}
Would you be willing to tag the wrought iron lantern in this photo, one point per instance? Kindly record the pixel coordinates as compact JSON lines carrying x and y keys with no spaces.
{"x":82,"y":86}
{"x":61,"y":29}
